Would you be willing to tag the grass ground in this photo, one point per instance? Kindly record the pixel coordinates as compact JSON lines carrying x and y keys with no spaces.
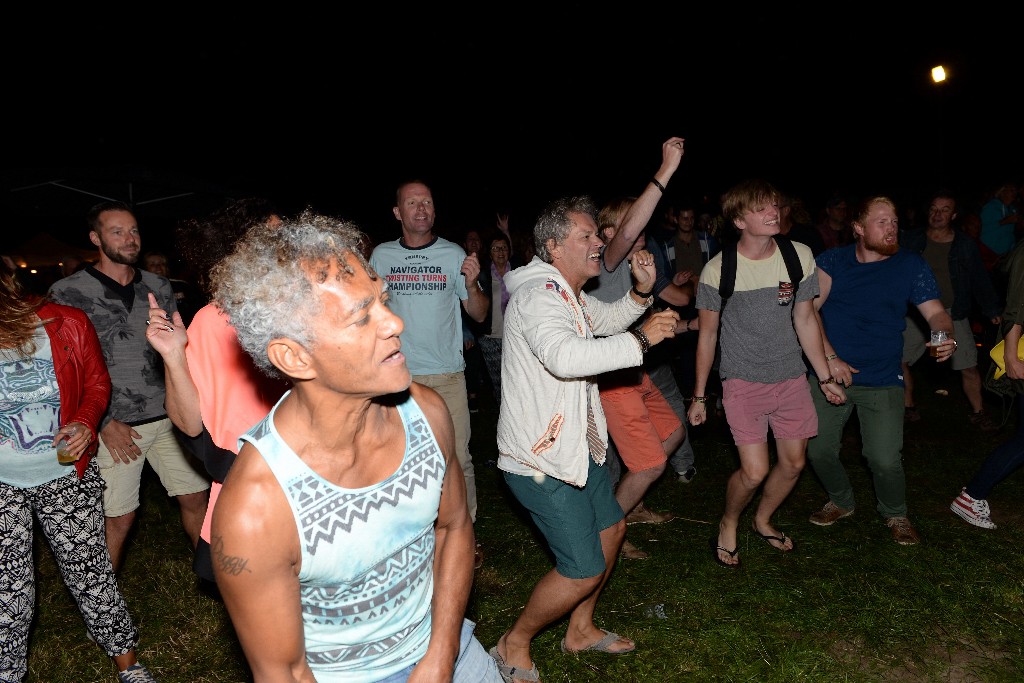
{"x":847,"y":605}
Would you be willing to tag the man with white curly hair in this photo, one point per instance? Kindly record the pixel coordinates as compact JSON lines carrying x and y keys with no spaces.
{"x":348,"y":495}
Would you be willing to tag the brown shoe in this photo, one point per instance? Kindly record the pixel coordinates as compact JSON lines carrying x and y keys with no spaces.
{"x":983,"y":421}
{"x":829,"y":515}
{"x":631,"y":552}
{"x":643,"y":515}
{"x":902,"y":531}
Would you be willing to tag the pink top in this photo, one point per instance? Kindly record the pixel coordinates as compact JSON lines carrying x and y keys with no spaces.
{"x":233,"y":393}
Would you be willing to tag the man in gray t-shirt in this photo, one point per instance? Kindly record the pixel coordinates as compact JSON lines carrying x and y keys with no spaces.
{"x":766,"y":329}
{"x":117,"y":297}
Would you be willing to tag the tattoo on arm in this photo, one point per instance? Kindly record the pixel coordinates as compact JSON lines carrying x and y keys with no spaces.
{"x":230,"y":565}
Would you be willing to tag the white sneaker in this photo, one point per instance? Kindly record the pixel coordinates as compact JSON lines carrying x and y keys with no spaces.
{"x":136,"y":673}
{"x":976,"y":512}
{"x":687,"y":476}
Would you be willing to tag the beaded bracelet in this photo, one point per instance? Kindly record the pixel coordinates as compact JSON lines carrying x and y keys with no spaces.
{"x":641,"y":338}
{"x":823,"y":382}
{"x":831,"y":356}
{"x":699,"y":399}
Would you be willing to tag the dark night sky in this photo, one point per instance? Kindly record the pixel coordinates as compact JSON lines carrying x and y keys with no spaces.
{"x":505,"y":111}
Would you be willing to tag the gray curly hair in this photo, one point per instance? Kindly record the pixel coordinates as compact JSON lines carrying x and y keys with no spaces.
{"x":555,"y":222}
{"x":265,"y":286}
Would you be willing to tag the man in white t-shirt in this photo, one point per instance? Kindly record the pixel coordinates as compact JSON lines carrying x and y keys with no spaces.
{"x":429,"y":278}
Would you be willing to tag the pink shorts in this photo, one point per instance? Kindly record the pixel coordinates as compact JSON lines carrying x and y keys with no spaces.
{"x":639,"y":420}
{"x":752,"y":407}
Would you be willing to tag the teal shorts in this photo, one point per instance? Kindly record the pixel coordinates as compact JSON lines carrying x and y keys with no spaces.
{"x":571,"y":519}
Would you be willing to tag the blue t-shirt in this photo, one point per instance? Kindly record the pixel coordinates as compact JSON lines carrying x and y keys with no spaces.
{"x":865,"y":313}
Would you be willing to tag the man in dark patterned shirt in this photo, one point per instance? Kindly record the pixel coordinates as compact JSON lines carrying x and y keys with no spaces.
{"x":135,"y":429}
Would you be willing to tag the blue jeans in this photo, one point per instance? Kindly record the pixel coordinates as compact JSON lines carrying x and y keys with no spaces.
{"x":661,"y":375}
{"x":1002,"y":462}
{"x":490,"y":347}
{"x":473,"y":665}
{"x":880,"y":412}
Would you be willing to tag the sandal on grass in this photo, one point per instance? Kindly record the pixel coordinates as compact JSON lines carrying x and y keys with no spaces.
{"x":603,"y":645}
{"x":713,"y":542}
{"x":510,"y":674}
{"x":768,"y":538}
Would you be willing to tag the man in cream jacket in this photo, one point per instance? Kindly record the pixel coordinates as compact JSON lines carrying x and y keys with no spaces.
{"x":551,"y":429}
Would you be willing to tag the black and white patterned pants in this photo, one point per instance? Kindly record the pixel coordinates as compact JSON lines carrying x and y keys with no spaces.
{"x":70,"y":514}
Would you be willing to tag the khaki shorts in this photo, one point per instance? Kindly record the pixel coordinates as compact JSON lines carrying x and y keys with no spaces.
{"x":915,"y":335}
{"x":162,"y":451}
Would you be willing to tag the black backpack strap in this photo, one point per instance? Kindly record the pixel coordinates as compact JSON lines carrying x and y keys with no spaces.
{"x":728,"y":281}
{"x":789,"y":255}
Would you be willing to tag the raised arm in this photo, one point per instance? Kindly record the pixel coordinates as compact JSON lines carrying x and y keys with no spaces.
{"x":166,"y":334}
{"x":639,"y":213}
{"x":478,"y":301}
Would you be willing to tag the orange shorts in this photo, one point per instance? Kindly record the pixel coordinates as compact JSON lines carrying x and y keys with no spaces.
{"x":639,"y":420}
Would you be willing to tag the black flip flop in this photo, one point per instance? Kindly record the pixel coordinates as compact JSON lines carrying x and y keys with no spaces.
{"x":731,"y":553}
{"x":768,"y":539}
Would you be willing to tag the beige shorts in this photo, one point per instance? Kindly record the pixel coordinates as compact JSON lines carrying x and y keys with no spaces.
{"x":179,"y":473}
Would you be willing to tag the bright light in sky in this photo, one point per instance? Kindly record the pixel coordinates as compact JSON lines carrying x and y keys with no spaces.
{"x":939,"y":74}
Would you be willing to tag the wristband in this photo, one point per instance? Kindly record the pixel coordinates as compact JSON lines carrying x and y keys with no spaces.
{"x":831,"y":356}
{"x":641,"y":338}
{"x":823,"y":382}
{"x":699,"y":399}
{"x":688,"y":326}
{"x":658,"y":185}
{"x":642,"y":295}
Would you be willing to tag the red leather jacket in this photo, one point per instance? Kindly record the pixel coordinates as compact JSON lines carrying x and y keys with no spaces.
{"x":82,"y":376}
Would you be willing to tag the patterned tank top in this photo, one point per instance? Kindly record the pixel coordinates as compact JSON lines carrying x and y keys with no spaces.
{"x":367,"y":554}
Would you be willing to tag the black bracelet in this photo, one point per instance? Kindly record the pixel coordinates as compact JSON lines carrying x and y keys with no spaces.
{"x":642,"y":295}
{"x":823,"y":382}
{"x":658,"y":185}
{"x":645,"y":343}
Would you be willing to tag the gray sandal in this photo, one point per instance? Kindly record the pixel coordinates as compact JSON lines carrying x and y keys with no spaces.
{"x":603,"y":645}
{"x":508,"y":673}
